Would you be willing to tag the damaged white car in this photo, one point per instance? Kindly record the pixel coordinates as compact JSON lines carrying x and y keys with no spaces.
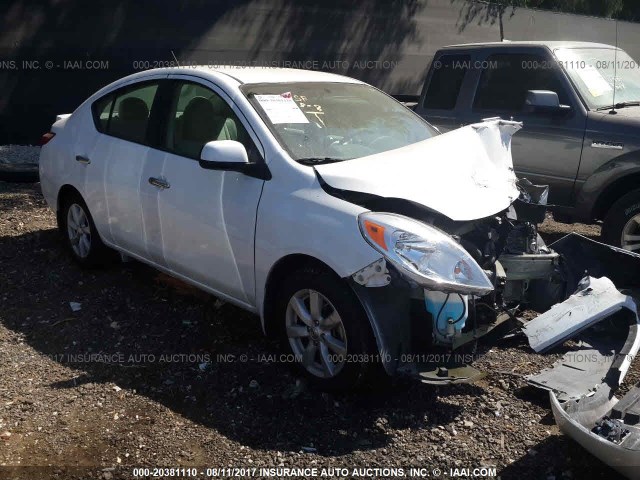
{"x":363,"y":238}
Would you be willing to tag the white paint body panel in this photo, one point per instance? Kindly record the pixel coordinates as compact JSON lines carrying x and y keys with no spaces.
{"x":207,"y":221}
{"x":597,"y":301}
{"x":624,"y":459}
{"x":464,"y":174}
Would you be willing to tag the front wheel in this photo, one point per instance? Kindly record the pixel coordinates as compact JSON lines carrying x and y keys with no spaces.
{"x":326,"y":329}
{"x":622,"y":223}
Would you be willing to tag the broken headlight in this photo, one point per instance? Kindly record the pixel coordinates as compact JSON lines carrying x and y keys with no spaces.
{"x":428,"y":256}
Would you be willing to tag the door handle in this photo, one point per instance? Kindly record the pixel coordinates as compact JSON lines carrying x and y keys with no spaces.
{"x":159,"y":182}
{"x":83,"y":159}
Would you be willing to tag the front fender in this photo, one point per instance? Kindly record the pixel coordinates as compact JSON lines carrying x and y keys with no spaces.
{"x":607,"y":183}
{"x":311,"y":223}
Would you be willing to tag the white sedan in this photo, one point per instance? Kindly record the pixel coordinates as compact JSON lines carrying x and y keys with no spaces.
{"x":357,"y":232}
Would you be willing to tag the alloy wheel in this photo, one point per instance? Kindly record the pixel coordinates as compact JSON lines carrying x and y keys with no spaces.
{"x":79,"y":230}
{"x":316,"y":333}
{"x":631,"y":234}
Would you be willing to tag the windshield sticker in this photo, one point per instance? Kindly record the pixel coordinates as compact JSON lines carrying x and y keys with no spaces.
{"x":314,"y":110}
{"x":594,"y":81}
{"x":281,"y":108}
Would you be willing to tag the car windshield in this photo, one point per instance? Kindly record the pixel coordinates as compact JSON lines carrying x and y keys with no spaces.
{"x":593,"y":70}
{"x":329,"y":122}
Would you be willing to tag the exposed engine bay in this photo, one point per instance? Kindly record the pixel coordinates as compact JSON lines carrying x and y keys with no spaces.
{"x":524,"y":271}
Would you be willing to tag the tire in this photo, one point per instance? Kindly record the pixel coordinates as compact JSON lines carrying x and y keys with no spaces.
{"x":347,"y":336}
{"x":19,"y":173}
{"x":80,"y":234}
{"x":623,"y":219}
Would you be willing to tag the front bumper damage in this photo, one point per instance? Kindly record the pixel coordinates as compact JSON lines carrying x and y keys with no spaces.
{"x":584,"y":290}
{"x":605,"y":426}
{"x":593,"y":304}
{"x":583,"y":383}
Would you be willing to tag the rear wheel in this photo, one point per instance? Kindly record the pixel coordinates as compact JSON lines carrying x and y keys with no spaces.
{"x":80,"y":234}
{"x":622,"y":223}
{"x":326,"y":329}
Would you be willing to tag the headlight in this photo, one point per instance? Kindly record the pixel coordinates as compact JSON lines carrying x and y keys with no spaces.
{"x":425,"y":254}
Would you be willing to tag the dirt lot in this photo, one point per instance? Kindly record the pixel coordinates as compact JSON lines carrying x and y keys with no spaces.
{"x":140,"y":376}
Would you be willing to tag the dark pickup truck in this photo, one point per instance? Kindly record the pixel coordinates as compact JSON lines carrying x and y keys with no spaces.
{"x":581,"y":135}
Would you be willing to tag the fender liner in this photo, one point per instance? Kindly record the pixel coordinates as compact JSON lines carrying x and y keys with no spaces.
{"x":388,"y":310}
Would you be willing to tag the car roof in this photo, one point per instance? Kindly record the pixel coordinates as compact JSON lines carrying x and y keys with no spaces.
{"x":232,"y":75}
{"x":257,"y":74}
{"x":552,"y":45}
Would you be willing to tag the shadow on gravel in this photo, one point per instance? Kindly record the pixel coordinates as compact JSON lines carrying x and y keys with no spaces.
{"x":181,"y":348}
{"x":557,"y":446}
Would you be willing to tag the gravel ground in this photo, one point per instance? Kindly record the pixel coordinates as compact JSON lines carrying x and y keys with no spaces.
{"x":158,"y":392}
{"x":19,"y":154}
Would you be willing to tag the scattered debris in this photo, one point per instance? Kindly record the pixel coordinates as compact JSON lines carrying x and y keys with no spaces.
{"x":595,"y":300}
{"x":75,"y":306}
{"x":591,"y":421}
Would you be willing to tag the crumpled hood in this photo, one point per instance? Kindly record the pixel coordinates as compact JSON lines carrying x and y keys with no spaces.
{"x":465,"y":174}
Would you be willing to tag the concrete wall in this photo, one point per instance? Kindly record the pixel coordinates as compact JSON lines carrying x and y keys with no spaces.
{"x":524,"y":24}
{"x":45,"y":45}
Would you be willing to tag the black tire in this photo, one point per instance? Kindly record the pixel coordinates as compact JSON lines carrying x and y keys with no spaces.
{"x":19,"y":173}
{"x":623,"y":210}
{"x":97,"y":253}
{"x":360,"y":342}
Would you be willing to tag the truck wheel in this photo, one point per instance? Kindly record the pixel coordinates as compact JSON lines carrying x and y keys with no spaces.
{"x":80,"y":234}
{"x":326,"y":329}
{"x":622,"y":223}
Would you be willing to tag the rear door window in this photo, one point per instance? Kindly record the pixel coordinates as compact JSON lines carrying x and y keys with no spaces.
{"x":446,"y":81}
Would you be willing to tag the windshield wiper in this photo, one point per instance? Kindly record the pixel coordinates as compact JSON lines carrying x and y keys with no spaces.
{"x":635,"y":103}
{"x":319,"y":160}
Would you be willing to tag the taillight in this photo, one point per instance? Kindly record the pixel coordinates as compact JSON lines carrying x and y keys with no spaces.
{"x":46,"y":138}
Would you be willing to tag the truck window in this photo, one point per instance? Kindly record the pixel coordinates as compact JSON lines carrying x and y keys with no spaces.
{"x":446,"y":80}
{"x":506,"y":78}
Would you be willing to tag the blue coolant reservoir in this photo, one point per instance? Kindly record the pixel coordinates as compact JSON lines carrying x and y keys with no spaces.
{"x":449,"y":312}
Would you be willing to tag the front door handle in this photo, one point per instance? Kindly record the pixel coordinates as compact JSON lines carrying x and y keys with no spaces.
{"x":83,"y":159}
{"x":159,"y":182}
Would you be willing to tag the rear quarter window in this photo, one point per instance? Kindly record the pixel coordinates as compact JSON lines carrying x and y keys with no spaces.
{"x":126,"y":112}
{"x":101,"y":112}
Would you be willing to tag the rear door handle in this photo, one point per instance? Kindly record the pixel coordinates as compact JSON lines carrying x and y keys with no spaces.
{"x":159,"y":182}
{"x":83,"y":159}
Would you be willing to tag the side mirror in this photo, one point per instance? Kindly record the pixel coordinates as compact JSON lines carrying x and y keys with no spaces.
{"x":544,"y":101}
{"x":230,"y":155}
{"x":223,"y":155}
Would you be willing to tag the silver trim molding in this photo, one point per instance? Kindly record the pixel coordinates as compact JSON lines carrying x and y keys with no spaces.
{"x":609,"y":145}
